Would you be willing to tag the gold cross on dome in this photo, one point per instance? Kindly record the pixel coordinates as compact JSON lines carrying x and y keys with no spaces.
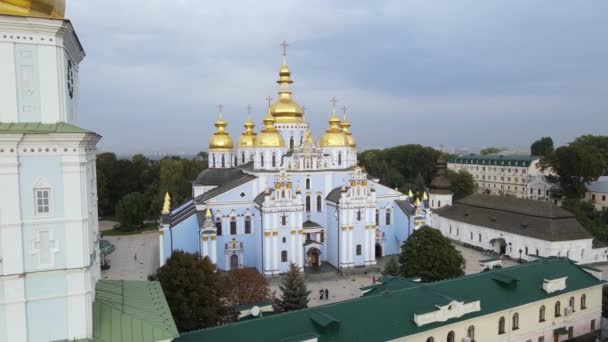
{"x":333,"y":101}
{"x":248,"y":109}
{"x":303,"y":108}
{"x":344,"y":110}
{"x":269,"y":99}
{"x":284,"y":45}
{"x":220,"y":107}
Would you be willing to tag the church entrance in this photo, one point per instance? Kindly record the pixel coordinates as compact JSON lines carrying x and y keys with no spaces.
{"x":378,"y":250}
{"x":313,"y":257}
{"x":234,"y":262}
{"x":499,"y":245}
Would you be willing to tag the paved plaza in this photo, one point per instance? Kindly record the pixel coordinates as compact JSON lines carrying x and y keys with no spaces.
{"x":134,"y":257}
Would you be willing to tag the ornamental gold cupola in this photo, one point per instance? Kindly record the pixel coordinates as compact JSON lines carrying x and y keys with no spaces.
{"x":285,"y":109}
{"x":220,"y":140}
{"x":334,"y":136}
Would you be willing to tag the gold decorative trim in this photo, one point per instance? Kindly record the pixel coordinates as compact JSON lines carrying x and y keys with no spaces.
{"x":205,"y":238}
{"x":301,"y":231}
{"x":266,"y":234}
{"x":351,"y":228}
{"x":293,"y":232}
{"x":344,"y":228}
{"x":213,"y":237}
{"x":275,"y":233}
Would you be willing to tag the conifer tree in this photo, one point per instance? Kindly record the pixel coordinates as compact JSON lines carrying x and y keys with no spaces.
{"x":294,"y":293}
{"x":391,"y":268}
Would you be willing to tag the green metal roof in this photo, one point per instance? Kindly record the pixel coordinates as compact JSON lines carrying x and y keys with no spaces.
{"x":502,"y":160}
{"x":131,"y":310}
{"x":40,"y":128}
{"x":391,"y":313}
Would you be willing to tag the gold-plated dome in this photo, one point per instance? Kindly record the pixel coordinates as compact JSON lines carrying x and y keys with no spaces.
{"x":285,"y":109}
{"x":220,"y":140}
{"x":269,"y":136}
{"x":345,"y":125}
{"x":54,"y":9}
{"x":334,"y":136}
{"x":248,"y":137}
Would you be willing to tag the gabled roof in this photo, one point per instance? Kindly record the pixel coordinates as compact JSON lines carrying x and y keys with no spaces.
{"x":182,"y":212}
{"x":40,"y":128}
{"x":335,"y":194}
{"x":311,"y":224}
{"x":259,"y":199}
{"x":600,"y":185}
{"x":392,"y":312}
{"x":131,"y":310}
{"x":218,"y":176}
{"x":406,"y":206}
{"x":535,"y":219}
{"x":229,"y":185}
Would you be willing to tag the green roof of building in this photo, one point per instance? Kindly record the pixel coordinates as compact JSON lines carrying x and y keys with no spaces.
{"x":492,"y":159}
{"x":131,"y":311}
{"x":39,"y":128}
{"x":391,"y":313}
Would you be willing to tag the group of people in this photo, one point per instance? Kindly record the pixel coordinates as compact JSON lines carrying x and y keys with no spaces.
{"x":323,"y":294}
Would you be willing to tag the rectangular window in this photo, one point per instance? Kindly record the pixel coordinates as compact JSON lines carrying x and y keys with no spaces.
{"x":284,"y":220}
{"x":233,"y":227}
{"x":43,"y":204}
{"x":541,"y":339}
{"x":218,"y":226}
{"x":388,"y":217}
{"x":247,"y":225}
{"x":358,"y":249}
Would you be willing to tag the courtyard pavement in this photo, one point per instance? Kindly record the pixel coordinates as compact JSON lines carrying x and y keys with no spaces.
{"x":134,"y":257}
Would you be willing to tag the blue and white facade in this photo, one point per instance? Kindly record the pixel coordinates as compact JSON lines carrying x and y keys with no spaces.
{"x":49,"y":250}
{"x":305,"y":201}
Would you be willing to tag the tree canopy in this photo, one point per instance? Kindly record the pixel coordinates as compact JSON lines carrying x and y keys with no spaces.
{"x":293,"y":288}
{"x":542,"y":147}
{"x":462,"y":183}
{"x":193,"y":289}
{"x":246,"y":286}
{"x":489,"y":150}
{"x":429,"y":255}
{"x":131,"y":210}
{"x":391,"y":267}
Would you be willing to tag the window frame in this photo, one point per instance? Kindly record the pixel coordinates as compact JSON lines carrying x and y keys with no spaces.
{"x":49,"y":206}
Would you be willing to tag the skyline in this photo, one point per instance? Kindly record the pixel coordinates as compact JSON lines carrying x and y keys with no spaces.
{"x":470,"y":74}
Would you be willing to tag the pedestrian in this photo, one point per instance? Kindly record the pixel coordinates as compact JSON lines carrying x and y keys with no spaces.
{"x":321,"y":294}
{"x":326,"y":294}
{"x":135,"y":256}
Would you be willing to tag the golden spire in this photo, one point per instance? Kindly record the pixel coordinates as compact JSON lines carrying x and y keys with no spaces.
{"x":248,"y":137}
{"x":345,"y":125}
{"x":208,"y":213}
{"x":54,"y":9}
{"x":269,"y":136}
{"x":334,"y":136}
{"x":424,"y":196}
{"x":285,"y":109}
{"x":167,"y":204}
{"x":417,"y":203}
{"x":220,"y":140}
{"x":410,"y":194}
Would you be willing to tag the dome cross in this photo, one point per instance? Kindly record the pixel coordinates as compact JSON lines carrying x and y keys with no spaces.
{"x":333,"y":101}
{"x":269,"y":99}
{"x":284,"y":45}
{"x":220,"y":107}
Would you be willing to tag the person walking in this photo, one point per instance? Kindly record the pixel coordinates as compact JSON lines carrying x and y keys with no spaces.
{"x":326,"y":294}
{"x":321,"y":294}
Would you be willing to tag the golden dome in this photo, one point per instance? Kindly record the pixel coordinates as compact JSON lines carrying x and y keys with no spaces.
{"x":334,"y":136}
{"x":34,"y":8}
{"x":220,"y":140}
{"x":285,"y":109}
{"x":345,"y":125}
{"x":248,"y":137}
{"x":269,"y":136}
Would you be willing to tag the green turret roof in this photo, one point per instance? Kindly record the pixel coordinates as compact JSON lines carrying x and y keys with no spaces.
{"x":39,"y":128}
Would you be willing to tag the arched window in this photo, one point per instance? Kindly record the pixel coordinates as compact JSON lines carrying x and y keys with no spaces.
{"x":262,"y":160}
{"x":430,"y":339}
{"x":558,"y":309}
{"x":284,"y":256}
{"x":213,"y":160}
{"x":377,"y":216}
{"x":218,"y":225}
{"x":515,"y":322}
{"x":233,"y":225}
{"x":291,"y":143}
{"x":583,"y":302}
{"x":243,"y":157}
{"x":471,"y":332}
{"x":388,"y":217}
{"x":247,"y":224}
{"x":501,"y":326}
{"x":358,"y":249}
{"x":451,"y":337}
{"x":223,"y":161}
{"x":571,"y":303}
{"x":308,"y":204}
{"x":274,"y":160}
{"x":319,"y":203}
{"x":339,"y":158}
{"x":541,"y":314}
{"x":307,"y":183}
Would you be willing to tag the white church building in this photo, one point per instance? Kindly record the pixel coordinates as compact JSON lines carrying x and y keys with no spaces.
{"x":280,"y":196}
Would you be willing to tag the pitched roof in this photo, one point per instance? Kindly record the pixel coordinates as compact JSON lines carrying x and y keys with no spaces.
{"x":259,"y":199}
{"x":494,"y":159}
{"x":311,"y":224}
{"x":392,"y":312}
{"x":406,"y":206}
{"x":218,"y":176}
{"x":131,"y":310}
{"x":182,"y":212}
{"x":600,"y":185}
{"x":536,"y":219}
{"x":335,"y":194}
{"x":228,"y":185}
{"x":40,"y":128}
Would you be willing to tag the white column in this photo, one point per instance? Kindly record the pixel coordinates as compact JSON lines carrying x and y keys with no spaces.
{"x":205,"y":251}
{"x":341,"y":224}
{"x":77,"y":252}
{"x":213,"y":248}
{"x":351,"y":221}
{"x":266,"y":229}
{"x":161,"y":256}
{"x":275,"y":253}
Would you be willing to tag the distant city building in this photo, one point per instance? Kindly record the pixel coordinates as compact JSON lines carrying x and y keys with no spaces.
{"x":518,"y":228}
{"x":440,"y":194}
{"x":597,"y":193}
{"x":505,"y":175}
{"x":541,"y":189}
{"x":541,"y":301}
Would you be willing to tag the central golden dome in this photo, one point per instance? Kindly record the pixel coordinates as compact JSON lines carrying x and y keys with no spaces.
{"x":54,"y":9}
{"x":220,"y":140}
{"x":334,"y":136}
{"x":248,"y":137}
{"x":285,"y":109}
{"x":269,"y":136}
{"x":345,"y":125}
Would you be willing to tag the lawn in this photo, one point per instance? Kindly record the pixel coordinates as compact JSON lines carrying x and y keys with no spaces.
{"x":147,"y":227}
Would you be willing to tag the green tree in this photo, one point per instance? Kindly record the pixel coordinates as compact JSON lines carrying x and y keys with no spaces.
{"x":489,"y":150}
{"x":293,"y":288}
{"x":246,"y":286}
{"x":542,"y":147}
{"x":391,"y":267}
{"x":462,"y":183}
{"x":429,"y":255}
{"x":131,"y":210}
{"x":193,"y":289}
{"x":595,"y":222}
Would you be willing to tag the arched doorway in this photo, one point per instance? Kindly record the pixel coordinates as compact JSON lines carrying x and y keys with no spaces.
{"x":378,"y":250}
{"x":234,"y":262}
{"x":313,"y":257}
{"x":499,"y":245}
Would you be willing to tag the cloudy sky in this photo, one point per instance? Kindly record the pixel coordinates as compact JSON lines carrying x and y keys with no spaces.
{"x":458,"y":73}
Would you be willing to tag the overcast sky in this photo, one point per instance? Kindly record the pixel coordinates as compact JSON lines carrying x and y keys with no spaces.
{"x":458,"y":73}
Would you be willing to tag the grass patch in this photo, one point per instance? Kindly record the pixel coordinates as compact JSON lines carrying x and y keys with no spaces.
{"x":147,"y":227}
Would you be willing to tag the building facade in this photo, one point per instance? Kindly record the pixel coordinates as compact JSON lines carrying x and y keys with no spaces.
{"x":597,"y":193}
{"x":505,"y":175}
{"x":49,"y":249}
{"x":541,"y":301}
{"x":518,"y":228}
{"x":280,"y":196}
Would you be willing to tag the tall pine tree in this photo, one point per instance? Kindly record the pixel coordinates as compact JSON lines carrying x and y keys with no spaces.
{"x":294,"y":293}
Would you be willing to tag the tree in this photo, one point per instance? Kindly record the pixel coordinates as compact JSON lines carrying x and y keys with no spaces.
{"x":489,"y":150}
{"x":193,"y":289}
{"x":462,"y":183}
{"x":429,"y":255}
{"x":595,"y":222}
{"x":391,"y":267}
{"x":542,"y":147}
{"x":246,"y":286}
{"x":294,"y":293}
{"x":131,"y":210}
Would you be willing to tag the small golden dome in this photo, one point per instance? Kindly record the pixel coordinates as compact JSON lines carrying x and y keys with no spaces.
{"x":54,"y":9}
{"x":220,"y":140}
{"x":345,"y":125}
{"x":248,"y":137}
{"x":334,"y":136}
{"x":285,"y":109}
{"x":269,"y":136}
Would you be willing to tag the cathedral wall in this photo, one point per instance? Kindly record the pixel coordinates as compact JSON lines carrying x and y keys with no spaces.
{"x":331,"y":234}
{"x":47,"y":319}
{"x":185,"y":237}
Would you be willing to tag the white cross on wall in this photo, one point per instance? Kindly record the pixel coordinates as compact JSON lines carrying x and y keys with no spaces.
{"x":45,"y":247}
